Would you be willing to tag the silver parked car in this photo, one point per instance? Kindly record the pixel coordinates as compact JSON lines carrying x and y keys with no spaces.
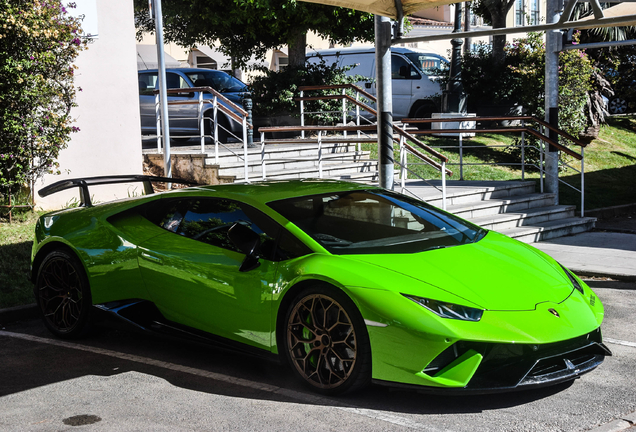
{"x":184,"y":117}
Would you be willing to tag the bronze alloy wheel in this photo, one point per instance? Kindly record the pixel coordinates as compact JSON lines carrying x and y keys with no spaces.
{"x":321,"y":341}
{"x":62,"y":294}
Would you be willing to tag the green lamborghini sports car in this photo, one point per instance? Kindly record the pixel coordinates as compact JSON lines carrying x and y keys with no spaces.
{"x":347,"y":283}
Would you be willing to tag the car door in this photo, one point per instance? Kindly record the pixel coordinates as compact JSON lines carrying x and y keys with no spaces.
{"x":402,"y":76}
{"x":147,"y":85}
{"x":192,"y":271}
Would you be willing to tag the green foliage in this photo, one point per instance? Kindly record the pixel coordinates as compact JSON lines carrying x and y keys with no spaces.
{"x":242,"y":28}
{"x":274,"y":92}
{"x":520,"y":79}
{"x":38,"y":43}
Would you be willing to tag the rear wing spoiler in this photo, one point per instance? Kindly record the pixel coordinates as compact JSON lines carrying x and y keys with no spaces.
{"x":84,"y":183}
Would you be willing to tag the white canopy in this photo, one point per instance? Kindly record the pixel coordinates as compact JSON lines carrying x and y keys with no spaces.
{"x":147,"y":58}
{"x":385,"y":7}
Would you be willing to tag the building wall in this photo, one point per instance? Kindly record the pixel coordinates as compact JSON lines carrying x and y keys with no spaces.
{"x":109,"y":140}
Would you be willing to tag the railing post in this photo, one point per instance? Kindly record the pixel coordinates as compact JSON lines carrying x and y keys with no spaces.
{"x":582,"y":181}
{"x":443,"y":185}
{"x":263,"y":164}
{"x":158,"y":121}
{"x":523,"y":154}
{"x":245,"y":149}
{"x":319,"y":154}
{"x":216,"y":130}
{"x":403,"y":157}
{"x":461,"y":156}
{"x":358,"y":119}
{"x":302,"y":114}
{"x":201,"y":122}
{"x":541,"y":148}
{"x":344,"y":112}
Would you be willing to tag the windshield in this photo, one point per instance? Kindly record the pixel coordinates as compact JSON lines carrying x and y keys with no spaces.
{"x":427,"y":63}
{"x":375,"y":222}
{"x":219,"y":81}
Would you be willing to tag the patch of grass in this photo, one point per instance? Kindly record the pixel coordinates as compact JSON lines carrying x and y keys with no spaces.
{"x":16,"y":240}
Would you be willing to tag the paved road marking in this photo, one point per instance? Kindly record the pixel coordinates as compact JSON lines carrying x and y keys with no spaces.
{"x":304,"y":397}
{"x":619,"y":342}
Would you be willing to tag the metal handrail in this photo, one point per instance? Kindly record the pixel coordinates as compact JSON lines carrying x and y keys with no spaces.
{"x":523,"y":129}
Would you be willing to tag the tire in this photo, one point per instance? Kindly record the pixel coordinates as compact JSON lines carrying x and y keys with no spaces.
{"x":423,"y":111}
{"x":617,"y":105}
{"x":326,"y":341}
{"x":63,"y":295}
{"x":209,"y":126}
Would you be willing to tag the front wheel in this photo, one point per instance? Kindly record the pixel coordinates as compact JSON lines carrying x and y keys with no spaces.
{"x":222,"y":129}
{"x":326,"y":341}
{"x":63,"y":295}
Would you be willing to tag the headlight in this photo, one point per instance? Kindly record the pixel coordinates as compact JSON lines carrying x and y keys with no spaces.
{"x":573,"y":280}
{"x":448,"y":310}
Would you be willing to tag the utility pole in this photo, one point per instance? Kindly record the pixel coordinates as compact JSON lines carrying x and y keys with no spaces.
{"x":163,"y":93}
{"x":385,"y":100}
{"x":552,"y":48}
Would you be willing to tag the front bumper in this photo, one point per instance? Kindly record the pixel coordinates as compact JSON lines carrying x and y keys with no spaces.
{"x":479,"y":367}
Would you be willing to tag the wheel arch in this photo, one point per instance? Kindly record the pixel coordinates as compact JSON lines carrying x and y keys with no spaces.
{"x":422,"y":103}
{"x":46,"y":249}
{"x":289,"y":296}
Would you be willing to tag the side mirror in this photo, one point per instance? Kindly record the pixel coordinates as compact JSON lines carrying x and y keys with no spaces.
{"x":248,"y":242}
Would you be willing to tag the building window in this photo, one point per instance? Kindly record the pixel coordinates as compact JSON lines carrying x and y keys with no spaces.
{"x":283,"y":62}
{"x":519,"y":13}
{"x":535,"y":12}
{"x":205,"y":62}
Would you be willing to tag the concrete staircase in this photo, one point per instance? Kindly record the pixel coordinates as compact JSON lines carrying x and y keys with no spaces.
{"x":294,"y":161}
{"x":512,"y":208}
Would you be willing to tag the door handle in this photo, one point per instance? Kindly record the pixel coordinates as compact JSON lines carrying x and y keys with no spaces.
{"x":152,"y":257}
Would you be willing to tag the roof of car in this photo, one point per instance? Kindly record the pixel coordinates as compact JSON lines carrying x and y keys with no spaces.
{"x":363,"y":50}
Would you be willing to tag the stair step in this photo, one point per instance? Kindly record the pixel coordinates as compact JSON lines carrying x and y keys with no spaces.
{"x":551,"y":229}
{"x":255,"y":166}
{"x":328,"y":171}
{"x":464,"y":192}
{"x":531,"y":217}
{"x":498,"y":206}
{"x":275,"y":152}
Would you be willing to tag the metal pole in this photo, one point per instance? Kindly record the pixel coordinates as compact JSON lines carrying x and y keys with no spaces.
{"x":302,"y":115}
{"x":553,"y":39}
{"x":582,"y":181}
{"x":461,"y":157}
{"x":385,"y":102}
{"x":163,"y":93}
{"x":344,"y":112}
{"x":467,"y":41}
{"x":201,"y":123}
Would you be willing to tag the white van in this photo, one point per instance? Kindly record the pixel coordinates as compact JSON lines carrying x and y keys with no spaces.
{"x":413,"y":72}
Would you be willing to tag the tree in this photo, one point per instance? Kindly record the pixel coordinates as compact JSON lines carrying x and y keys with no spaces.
{"x":242,"y":28}
{"x":38,"y":43}
{"x":494,"y":12}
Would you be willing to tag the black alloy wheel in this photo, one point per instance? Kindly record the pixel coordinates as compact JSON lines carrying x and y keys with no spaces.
{"x":63,"y":295}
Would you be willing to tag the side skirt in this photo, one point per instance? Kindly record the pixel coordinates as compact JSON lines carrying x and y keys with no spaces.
{"x":143,"y":315}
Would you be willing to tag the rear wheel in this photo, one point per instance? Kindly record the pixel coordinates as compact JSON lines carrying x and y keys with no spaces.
{"x":223,"y":126}
{"x":63,"y":295}
{"x":423,"y":111}
{"x":326,"y":341}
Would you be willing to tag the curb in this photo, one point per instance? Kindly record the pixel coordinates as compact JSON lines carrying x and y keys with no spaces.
{"x":18,"y":313}
{"x":618,"y":425}
{"x":587,"y":273}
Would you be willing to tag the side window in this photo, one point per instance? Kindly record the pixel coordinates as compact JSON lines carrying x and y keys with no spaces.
{"x":402,"y":69}
{"x":174,"y":80}
{"x":208,"y":220}
{"x":147,"y":83}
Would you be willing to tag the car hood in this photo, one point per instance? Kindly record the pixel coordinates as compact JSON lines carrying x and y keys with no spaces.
{"x":496,"y":273}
